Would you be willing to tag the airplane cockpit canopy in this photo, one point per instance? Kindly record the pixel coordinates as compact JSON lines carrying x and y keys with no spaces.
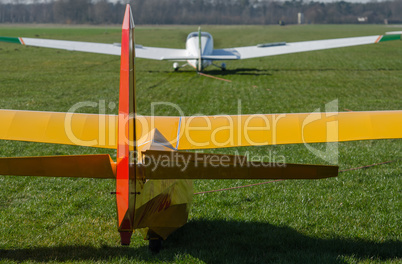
{"x":195,"y":35}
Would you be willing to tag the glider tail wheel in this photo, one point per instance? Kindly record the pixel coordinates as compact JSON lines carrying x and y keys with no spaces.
{"x":155,"y":245}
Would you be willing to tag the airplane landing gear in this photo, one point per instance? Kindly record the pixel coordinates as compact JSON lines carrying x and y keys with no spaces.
{"x":155,"y":242}
{"x":176,"y":66}
{"x":155,"y":245}
{"x":222,"y":67}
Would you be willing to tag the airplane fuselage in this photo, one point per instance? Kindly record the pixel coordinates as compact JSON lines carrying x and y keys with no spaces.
{"x":199,"y":45}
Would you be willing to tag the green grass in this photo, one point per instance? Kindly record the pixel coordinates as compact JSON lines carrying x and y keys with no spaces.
{"x":356,"y":217}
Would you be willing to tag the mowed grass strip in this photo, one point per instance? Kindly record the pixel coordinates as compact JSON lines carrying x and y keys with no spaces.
{"x":355,"y":217}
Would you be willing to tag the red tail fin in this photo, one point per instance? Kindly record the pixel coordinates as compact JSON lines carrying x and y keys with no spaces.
{"x":125,"y":180}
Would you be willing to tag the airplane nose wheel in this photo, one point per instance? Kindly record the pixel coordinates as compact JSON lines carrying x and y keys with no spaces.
{"x":155,"y":245}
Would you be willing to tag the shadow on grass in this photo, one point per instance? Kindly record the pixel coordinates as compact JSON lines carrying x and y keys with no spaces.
{"x":269,"y":71}
{"x":224,"y":242}
{"x":218,"y":72}
{"x":266,"y":72}
{"x":240,"y":71}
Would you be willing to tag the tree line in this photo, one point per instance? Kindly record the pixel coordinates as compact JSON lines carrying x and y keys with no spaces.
{"x":197,"y":12}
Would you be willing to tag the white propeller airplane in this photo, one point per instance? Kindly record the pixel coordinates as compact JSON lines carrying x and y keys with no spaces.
{"x":200,"y":53}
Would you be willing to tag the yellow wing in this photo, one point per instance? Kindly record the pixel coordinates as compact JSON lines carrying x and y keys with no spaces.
{"x":202,"y":132}
{"x":89,"y":130}
{"x":252,"y":130}
{"x":57,"y":128}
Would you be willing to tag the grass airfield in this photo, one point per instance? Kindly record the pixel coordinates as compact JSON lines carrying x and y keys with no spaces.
{"x":355,"y":217}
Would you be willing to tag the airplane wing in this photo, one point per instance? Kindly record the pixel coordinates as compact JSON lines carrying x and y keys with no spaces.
{"x":203,"y":132}
{"x":90,"y":130}
{"x":155,"y":53}
{"x":109,"y":49}
{"x":279,"y":48}
{"x":160,"y":53}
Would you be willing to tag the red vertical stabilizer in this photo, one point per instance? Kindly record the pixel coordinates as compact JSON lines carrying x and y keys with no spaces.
{"x":125,"y":180}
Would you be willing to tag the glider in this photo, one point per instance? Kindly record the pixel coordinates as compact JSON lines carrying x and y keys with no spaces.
{"x":200,"y":53}
{"x":153,"y":196}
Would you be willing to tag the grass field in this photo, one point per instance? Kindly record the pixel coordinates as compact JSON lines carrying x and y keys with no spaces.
{"x":356,"y":217}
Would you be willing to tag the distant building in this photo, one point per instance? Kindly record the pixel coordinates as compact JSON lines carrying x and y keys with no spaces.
{"x":362,"y":19}
{"x":300,"y":18}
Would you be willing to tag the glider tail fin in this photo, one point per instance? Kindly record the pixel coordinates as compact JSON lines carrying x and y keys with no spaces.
{"x":126,"y":147}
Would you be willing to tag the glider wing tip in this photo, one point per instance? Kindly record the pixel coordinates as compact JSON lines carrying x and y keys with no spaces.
{"x":15,"y":40}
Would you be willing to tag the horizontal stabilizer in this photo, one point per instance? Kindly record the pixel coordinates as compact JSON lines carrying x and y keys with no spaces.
{"x":187,"y":165}
{"x":77,"y":166}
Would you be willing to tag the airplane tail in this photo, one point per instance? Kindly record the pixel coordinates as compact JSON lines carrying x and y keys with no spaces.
{"x":126,"y":151}
{"x":98,"y":166}
{"x":76,"y":166}
{"x":187,"y":165}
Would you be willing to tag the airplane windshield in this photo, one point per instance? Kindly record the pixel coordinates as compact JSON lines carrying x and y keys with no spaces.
{"x":195,"y":35}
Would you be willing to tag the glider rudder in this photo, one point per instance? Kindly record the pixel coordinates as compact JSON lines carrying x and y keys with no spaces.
{"x":125,"y":179}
